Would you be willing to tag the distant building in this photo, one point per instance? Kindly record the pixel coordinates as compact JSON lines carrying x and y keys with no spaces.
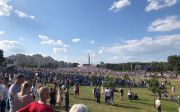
{"x":11,"y":62}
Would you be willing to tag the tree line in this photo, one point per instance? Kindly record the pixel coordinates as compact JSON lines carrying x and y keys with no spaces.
{"x":172,"y":64}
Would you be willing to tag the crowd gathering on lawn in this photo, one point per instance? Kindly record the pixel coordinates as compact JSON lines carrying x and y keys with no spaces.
{"x":27,"y":90}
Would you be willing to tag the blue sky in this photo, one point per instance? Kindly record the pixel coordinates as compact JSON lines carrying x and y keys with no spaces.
{"x":110,"y":30}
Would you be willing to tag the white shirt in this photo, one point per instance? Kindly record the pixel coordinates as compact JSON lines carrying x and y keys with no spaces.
{"x":33,"y":90}
{"x":107,"y":92}
{"x":158,"y":103}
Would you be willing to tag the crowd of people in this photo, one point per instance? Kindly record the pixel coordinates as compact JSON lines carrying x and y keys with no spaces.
{"x":27,"y":89}
{"x":22,"y":95}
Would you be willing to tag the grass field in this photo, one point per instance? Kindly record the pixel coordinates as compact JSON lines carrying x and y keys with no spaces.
{"x":145,"y":104}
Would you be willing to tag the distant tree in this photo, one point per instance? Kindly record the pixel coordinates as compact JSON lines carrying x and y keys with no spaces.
{"x":75,"y":64}
{"x":177,"y":69}
{"x":2,"y":59}
{"x":154,"y":85}
{"x":174,"y":63}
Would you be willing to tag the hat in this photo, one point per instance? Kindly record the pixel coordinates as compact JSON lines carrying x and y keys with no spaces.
{"x":19,"y":76}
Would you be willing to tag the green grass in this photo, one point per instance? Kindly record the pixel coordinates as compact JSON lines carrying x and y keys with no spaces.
{"x":145,"y":104}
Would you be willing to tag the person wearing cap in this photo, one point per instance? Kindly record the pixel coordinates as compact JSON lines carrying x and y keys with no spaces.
{"x":14,"y":89}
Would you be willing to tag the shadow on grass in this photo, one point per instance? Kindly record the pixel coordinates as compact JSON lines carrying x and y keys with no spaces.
{"x":124,"y":106}
{"x":62,"y":109}
{"x":144,"y":103}
{"x":87,"y":99}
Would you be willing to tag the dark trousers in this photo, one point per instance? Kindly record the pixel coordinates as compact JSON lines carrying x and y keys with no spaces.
{"x":67,"y":105}
{"x":159,"y":109}
{"x":98,"y":99}
{"x":3,"y":106}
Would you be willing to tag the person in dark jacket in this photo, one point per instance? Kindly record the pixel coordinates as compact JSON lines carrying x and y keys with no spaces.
{"x":67,"y":99}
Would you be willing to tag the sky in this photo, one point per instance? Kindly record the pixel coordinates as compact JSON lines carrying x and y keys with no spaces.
{"x":112,"y":31}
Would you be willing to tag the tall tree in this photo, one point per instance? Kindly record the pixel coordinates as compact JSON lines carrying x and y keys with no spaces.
{"x":172,"y":61}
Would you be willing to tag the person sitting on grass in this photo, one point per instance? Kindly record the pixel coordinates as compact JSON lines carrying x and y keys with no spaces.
{"x":136,"y":96}
{"x":41,"y":105}
{"x":79,"y":108}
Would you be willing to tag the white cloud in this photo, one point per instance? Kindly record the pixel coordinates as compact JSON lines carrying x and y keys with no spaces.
{"x":101,"y":51}
{"x":92,"y":42}
{"x":47,"y":41}
{"x":118,"y":5}
{"x":76,"y":40}
{"x":5,"y":9}
{"x":146,"y":45}
{"x":115,"y":57}
{"x":59,"y":46}
{"x":23,"y":15}
{"x":21,"y":38}
{"x":2,"y":32}
{"x":11,"y":47}
{"x":59,"y":50}
{"x":120,"y":59}
{"x":159,"y":4}
{"x":166,"y":24}
{"x":93,"y":54}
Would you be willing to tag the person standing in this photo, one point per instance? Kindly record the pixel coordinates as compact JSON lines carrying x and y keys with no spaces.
{"x":158,"y":104}
{"x":98,"y":95}
{"x":34,"y":90}
{"x":94,"y":92}
{"x":60,"y":97}
{"x":107,"y":95}
{"x":75,"y":90}
{"x":53,"y":98}
{"x":14,"y":89}
{"x":122,"y":94}
{"x":78,"y":87}
{"x":24,"y":97}
{"x":173,"y":89}
{"x":41,"y":105}
{"x":67,"y":99}
{"x":178,"y":103}
{"x":112,"y":96}
{"x":3,"y":94}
